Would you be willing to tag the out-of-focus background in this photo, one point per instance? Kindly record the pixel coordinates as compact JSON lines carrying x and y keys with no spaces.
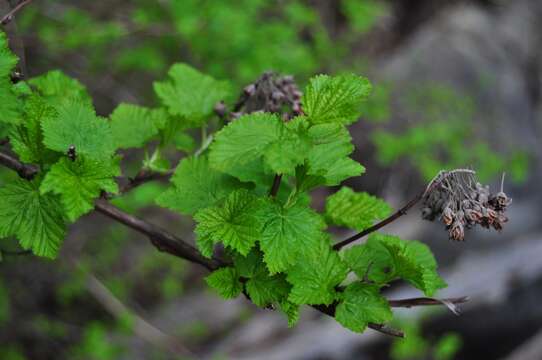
{"x":457,"y":84}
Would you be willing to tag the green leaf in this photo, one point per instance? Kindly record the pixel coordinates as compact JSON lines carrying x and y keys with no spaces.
{"x":35,"y":219}
{"x":360,"y":305}
{"x":77,"y":124}
{"x":265,"y":289}
{"x":262,"y":287}
{"x":384,"y":258}
{"x":132,"y":126}
{"x":335,"y":99}
{"x":57,"y":88}
{"x":233,"y":222}
{"x":315,"y":278}
{"x":79,"y":182}
{"x":226,"y":282}
{"x":196,"y":186}
{"x":291,"y":311}
{"x":9,"y":103}
{"x":27,"y":139}
{"x":7,"y":59}
{"x":288,"y":233}
{"x":247,"y":139}
{"x":190,"y":93}
{"x":355,"y":210}
{"x":328,"y":158}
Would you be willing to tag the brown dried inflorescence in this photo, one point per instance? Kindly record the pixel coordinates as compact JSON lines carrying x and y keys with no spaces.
{"x":272,"y":93}
{"x":460,"y":202}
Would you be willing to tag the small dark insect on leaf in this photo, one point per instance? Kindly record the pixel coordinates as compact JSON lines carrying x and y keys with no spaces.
{"x":72,"y":155}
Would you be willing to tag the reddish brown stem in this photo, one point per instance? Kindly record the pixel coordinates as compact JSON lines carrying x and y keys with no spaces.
{"x":10,"y":15}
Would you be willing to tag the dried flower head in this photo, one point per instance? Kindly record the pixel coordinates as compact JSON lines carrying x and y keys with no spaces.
{"x":460,"y":202}
{"x":273,"y":93}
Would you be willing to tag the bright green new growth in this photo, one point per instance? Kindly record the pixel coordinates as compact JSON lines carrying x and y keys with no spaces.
{"x":34,"y":218}
{"x":196,"y":186}
{"x":384,"y":258}
{"x":79,"y":182}
{"x":234,"y":223}
{"x":132,"y":126}
{"x":191,"y":94}
{"x":335,"y":99}
{"x":355,"y":210}
{"x":360,"y":305}
{"x":289,"y":233}
{"x":314,"y":279}
{"x":76,"y":124}
{"x":226,"y":282}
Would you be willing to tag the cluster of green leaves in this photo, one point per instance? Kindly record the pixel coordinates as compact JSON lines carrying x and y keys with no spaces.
{"x":280,"y":253}
{"x":47,"y":116}
{"x":279,"y":250}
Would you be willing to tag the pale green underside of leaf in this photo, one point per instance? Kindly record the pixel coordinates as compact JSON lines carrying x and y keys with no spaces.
{"x":360,"y":305}
{"x":335,"y":99}
{"x":384,"y":258}
{"x":132,"y":126}
{"x":225,"y":282}
{"x":288,"y":233}
{"x":355,"y":210}
{"x":233,"y":222}
{"x":191,"y":94}
{"x":315,"y":277}
{"x":196,"y":186}
{"x":77,"y":124}
{"x":79,"y":183}
{"x":35,"y":219}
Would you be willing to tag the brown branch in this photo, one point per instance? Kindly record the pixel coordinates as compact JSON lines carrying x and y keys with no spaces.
{"x":160,"y":238}
{"x":10,"y":15}
{"x":402,"y":211}
{"x":141,"y":178}
{"x":330,"y":310}
{"x":24,"y":170}
{"x":276,"y":185}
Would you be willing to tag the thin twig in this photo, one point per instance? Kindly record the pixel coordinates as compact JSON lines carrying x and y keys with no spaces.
{"x":425,"y":301}
{"x":141,"y":327}
{"x":402,"y":211}
{"x":10,"y":15}
{"x":16,"y":252}
{"x":160,"y":238}
{"x":24,"y":170}
{"x":385,"y":329}
{"x":276,"y":185}
{"x":141,"y":178}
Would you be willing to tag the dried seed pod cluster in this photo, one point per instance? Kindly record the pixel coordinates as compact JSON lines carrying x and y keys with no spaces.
{"x":272,"y":93}
{"x":460,"y":202}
